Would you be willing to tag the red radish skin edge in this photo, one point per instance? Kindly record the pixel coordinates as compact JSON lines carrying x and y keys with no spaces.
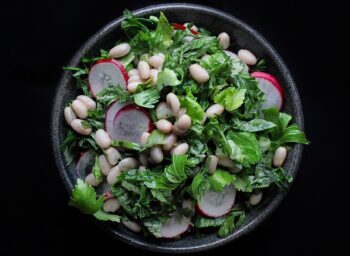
{"x":200,"y":212}
{"x":272,"y":79}
{"x":110,"y":105}
{"x":182,"y":27}
{"x":81,"y":155}
{"x":132,"y":107}
{"x":118,"y":65}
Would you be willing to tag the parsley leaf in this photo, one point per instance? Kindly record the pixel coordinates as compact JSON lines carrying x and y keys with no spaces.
{"x":147,"y":98}
{"x":96,"y":170}
{"x":230,"y":98}
{"x":104,"y":216}
{"x":254,"y":125}
{"x":175,"y":173}
{"x":220,"y":179}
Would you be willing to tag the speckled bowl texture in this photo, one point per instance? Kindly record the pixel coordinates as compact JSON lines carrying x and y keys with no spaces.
{"x":242,"y":36}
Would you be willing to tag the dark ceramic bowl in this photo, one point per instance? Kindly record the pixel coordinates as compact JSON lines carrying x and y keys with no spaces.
{"x":243,"y":36}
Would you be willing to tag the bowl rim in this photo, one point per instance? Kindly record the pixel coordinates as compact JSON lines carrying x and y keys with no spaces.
{"x":299,"y":119}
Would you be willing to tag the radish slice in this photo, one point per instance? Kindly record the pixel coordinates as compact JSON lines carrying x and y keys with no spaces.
{"x":128,"y":123}
{"x":85,"y":164}
{"x":176,"y":225}
{"x":182,"y":27}
{"x":111,"y":112}
{"x":271,"y":88}
{"x":215,"y":204}
{"x":105,"y":73}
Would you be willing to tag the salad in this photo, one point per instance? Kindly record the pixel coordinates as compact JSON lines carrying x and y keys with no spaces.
{"x":174,"y":133}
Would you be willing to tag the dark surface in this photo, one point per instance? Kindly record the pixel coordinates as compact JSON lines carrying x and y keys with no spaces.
{"x":39,"y":38}
{"x":244,"y":37}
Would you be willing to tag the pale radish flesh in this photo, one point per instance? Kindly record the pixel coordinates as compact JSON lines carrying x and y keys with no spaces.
{"x":269,"y":85}
{"x":111,"y":112}
{"x":215,"y":204}
{"x":176,"y":225}
{"x":105,"y":73}
{"x":85,"y":164}
{"x":129,"y":123}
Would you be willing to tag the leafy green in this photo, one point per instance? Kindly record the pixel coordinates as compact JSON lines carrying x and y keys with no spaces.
{"x":153,"y":226}
{"x":104,"y":216}
{"x":193,"y":109}
{"x":164,"y":33}
{"x":96,"y":170}
{"x":126,"y":60}
{"x":126,"y":144}
{"x":254,"y":125}
{"x":248,"y":146}
{"x":175,"y":173}
{"x":167,"y":77}
{"x":230,"y":98}
{"x":84,"y":198}
{"x":220,"y":179}
{"x":147,"y":98}
{"x":156,"y":138}
{"x":112,"y":93}
{"x":229,"y":224}
{"x":291,"y":134}
{"x":199,"y":184}
{"x":202,"y":222}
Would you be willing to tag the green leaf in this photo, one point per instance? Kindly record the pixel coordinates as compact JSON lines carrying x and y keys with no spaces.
{"x":230,"y":98}
{"x":193,"y":109}
{"x":84,"y":198}
{"x":112,"y":93}
{"x":248,"y":146}
{"x":153,"y":226}
{"x":167,"y":77}
{"x":291,"y":134}
{"x":175,"y":173}
{"x":126,"y":144}
{"x":147,"y":98}
{"x":254,"y":125}
{"x":164,"y":33}
{"x":202,"y":222}
{"x":96,"y":170}
{"x":156,"y":138}
{"x":243,"y":183}
{"x":126,"y":60}
{"x":230,"y":222}
{"x":104,"y":216}
{"x":199,"y":184}
{"x":220,"y":179}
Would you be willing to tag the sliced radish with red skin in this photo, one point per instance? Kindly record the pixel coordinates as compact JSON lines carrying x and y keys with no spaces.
{"x":106,"y":72}
{"x":215,"y":204}
{"x":129,"y":123}
{"x":176,"y":225}
{"x":85,"y":164}
{"x":182,"y":27}
{"x":111,"y":112}
{"x":269,"y":85}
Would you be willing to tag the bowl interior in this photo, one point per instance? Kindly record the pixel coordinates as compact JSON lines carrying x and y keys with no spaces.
{"x":243,"y":37}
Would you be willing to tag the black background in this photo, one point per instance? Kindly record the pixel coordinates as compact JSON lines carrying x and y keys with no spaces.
{"x":37,"y":39}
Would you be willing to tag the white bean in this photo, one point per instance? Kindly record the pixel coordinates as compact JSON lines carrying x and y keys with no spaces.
{"x":156,"y":61}
{"x":69,"y":115}
{"x":119,"y":50}
{"x":224,"y":40}
{"x":247,"y":57}
{"x":133,"y":72}
{"x":169,"y":142}
{"x":112,"y":176}
{"x":214,"y":110}
{"x":255,"y":198}
{"x":104,"y":165}
{"x":180,"y":149}
{"x":154,"y":76}
{"x":132,"y":225}
{"x":173,"y":102}
{"x":111,"y":205}
{"x":164,"y":126}
{"x":212,"y":163}
{"x":205,"y":57}
{"x":134,"y":79}
{"x":163,"y":111}
{"x":279,"y":156}
{"x":178,"y":131}
{"x":225,"y":161}
{"x":143,"y":159}
{"x":127,"y":164}
{"x":198,"y":73}
{"x":157,"y":154}
{"x":142,"y":168}
{"x":184,"y":123}
{"x":182,"y":111}
{"x":144,"y":69}
{"x":77,"y":126}
{"x":112,"y":155}
{"x":132,"y":87}
{"x":231,"y":54}
{"x":90,"y":179}
{"x":89,"y":103}
{"x":80,"y":109}
{"x":144,"y":138}
{"x":194,"y":27}
{"x":102,"y":138}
